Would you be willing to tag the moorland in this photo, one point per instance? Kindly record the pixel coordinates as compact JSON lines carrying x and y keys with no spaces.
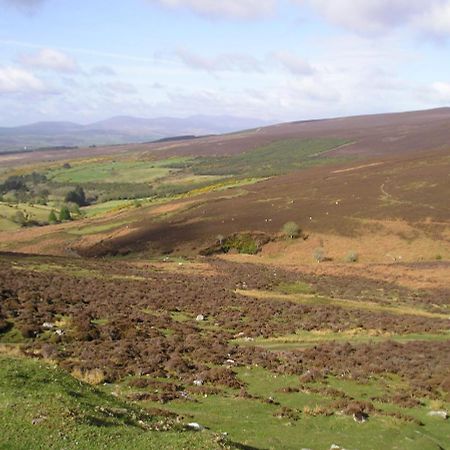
{"x":280,"y":287}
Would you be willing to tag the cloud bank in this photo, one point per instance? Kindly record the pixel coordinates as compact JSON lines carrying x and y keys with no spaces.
{"x":223,"y":9}
{"x":49,"y":59}
{"x":27,"y":6}
{"x":14,"y":80}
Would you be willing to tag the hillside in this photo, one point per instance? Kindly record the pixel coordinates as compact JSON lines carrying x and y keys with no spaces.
{"x":351,"y":177}
{"x":116,"y":130}
{"x":297,"y":274}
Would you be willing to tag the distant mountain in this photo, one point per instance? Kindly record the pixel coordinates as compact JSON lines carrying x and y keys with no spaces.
{"x":117,"y":130}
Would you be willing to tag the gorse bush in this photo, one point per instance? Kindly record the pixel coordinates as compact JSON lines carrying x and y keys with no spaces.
{"x":291,"y":230}
{"x":243,"y":243}
{"x":352,"y":257}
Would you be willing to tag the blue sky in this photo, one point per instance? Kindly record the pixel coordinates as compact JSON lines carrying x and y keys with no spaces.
{"x":276,"y":60}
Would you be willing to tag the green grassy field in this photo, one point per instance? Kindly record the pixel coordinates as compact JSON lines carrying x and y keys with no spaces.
{"x":41,"y":407}
{"x":279,"y":157}
{"x":111,"y":184}
{"x":37,"y":213}
{"x":261,"y":421}
{"x":305,"y":339}
{"x":111,"y":172}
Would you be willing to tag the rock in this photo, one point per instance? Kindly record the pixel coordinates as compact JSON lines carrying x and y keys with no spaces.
{"x":195,"y":426}
{"x":360,"y":417}
{"x":198,"y":382}
{"x":200,"y":318}
{"x":48,"y":325}
{"x":441,"y":414}
{"x":38,"y":420}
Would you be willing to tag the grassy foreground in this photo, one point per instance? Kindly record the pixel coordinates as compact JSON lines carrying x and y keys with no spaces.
{"x":41,"y":407}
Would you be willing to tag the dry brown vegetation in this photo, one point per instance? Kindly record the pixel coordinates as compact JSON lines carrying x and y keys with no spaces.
{"x":104,"y":321}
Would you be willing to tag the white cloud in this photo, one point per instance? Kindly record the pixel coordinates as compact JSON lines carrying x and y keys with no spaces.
{"x":223,"y":62}
{"x":440,"y":91}
{"x":436,"y":21}
{"x":119,"y":88}
{"x":27,"y":6}
{"x":49,"y":59}
{"x":293,"y":63}
{"x":17,"y":81}
{"x":103,"y":71}
{"x":378,"y":16}
{"x":235,"y":9}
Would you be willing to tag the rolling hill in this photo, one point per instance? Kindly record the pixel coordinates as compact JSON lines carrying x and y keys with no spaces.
{"x":116,"y":130}
{"x":179,"y":296}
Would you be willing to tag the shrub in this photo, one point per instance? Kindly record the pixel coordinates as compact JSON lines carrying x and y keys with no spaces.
{"x":5,"y":326}
{"x":19,"y":218}
{"x":243,"y":243}
{"x":52,"y":217}
{"x":76,"y":196}
{"x":74,"y":209}
{"x":64,"y":214}
{"x":93,"y":376}
{"x":352,"y":257}
{"x":320,"y":254}
{"x":291,"y":230}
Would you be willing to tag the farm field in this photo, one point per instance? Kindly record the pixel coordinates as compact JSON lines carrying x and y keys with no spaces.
{"x":279,"y":288}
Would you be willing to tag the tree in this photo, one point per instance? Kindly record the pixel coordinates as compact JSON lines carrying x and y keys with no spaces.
{"x":76,"y":196}
{"x":19,"y":218}
{"x":52,"y":217}
{"x":291,"y":230}
{"x":14,"y":183}
{"x":64,"y":214}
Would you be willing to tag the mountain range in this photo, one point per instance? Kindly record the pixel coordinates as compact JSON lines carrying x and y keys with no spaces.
{"x":117,"y":130}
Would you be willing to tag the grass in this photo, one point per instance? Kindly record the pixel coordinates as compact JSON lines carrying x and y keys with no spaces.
{"x":298,"y":287}
{"x":278,"y":157}
{"x":8,"y":225}
{"x":113,"y":172}
{"x":102,"y":208}
{"x":93,"y":229}
{"x":305,"y":339}
{"x":398,"y":309}
{"x":38,"y":213}
{"x":74,"y":271}
{"x":41,"y":407}
{"x":254,"y":421}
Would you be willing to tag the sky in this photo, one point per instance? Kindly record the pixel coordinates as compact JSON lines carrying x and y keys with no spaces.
{"x":275,"y":60}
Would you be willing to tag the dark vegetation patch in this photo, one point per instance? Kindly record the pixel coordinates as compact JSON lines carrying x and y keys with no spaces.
{"x":247,"y":243}
{"x":127,"y":325}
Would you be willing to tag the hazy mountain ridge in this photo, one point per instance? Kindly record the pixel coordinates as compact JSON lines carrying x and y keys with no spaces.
{"x":117,"y":130}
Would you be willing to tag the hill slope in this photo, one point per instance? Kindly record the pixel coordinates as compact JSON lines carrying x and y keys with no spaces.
{"x":117,"y":130}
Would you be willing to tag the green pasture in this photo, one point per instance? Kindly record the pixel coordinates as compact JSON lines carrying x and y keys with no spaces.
{"x":38,"y":213}
{"x":257,"y":422}
{"x":42,"y":407}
